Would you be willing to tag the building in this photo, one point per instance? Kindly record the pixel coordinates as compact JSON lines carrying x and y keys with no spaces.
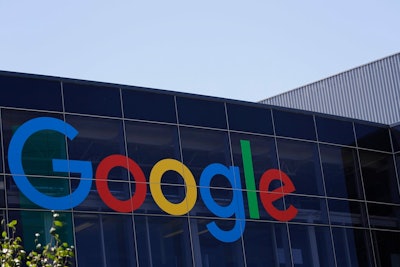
{"x":145,"y":177}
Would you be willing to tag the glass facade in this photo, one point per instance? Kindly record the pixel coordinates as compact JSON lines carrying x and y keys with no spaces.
{"x":196,"y":209}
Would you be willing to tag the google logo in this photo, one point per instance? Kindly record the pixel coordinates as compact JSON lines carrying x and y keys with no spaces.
{"x":84,"y":168}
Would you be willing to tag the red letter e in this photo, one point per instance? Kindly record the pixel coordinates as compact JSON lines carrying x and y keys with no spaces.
{"x":268,"y":197}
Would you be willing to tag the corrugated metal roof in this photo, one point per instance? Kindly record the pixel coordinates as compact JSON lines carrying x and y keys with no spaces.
{"x":370,"y":92}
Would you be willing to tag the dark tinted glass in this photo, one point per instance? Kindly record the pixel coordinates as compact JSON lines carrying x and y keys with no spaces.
{"x":90,"y":99}
{"x":164,"y":241}
{"x":2,"y":193}
{"x":93,"y":202}
{"x":379,"y":176}
{"x":40,"y":148}
{"x":295,"y":125}
{"x":104,"y":240}
{"x":341,"y":172}
{"x":30,"y":93}
{"x":373,"y":137}
{"x":343,"y":212}
{"x":384,"y":216}
{"x":211,"y":251}
{"x":201,"y":112}
{"x":387,"y":249}
{"x":249,"y":119}
{"x":148,"y":106}
{"x":335,"y":131}
{"x":300,"y":161}
{"x":262,"y":156}
{"x":203,"y":147}
{"x":149,"y":143}
{"x":266,"y":244}
{"x":352,"y":247}
{"x":97,"y":139}
{"x":395,"y":132}
{"x":310,"y":209}
{"x":311,"y":246}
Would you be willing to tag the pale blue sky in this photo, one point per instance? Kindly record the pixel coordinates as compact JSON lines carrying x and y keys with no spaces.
{"x":246,"y":50}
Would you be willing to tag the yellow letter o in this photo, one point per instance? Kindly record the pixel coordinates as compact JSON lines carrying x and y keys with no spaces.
{"x":156,"y":174}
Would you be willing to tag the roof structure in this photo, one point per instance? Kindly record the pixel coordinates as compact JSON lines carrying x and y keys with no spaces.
{"x":370,"y":92}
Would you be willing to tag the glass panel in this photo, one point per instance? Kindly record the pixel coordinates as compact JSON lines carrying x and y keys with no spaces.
{"x":379,"y":177}
{"x":310,"y":209}
{"x":97,"y":139}
{"x":295,"y":125}
{"x":300,"y":161}
{"x":56,"y":187}
{"x":384,"y":216}
{"x":93,"y":202}
{"x":164,"y":241}
{"x":249,"y":119}
{"x":311,"y":246}
{"x":387,"y":249}
{"x":40,"y":148}
{"x":148,"y":106}
{"x":2,"y":193}
{"x":203,"y":147}
{"x":32,"y":222}
{"x":352,"y":247}
{"x":209,"y":251}
{"x":335,"y":131}
{"x":343,"y":212}
{"x":30,"y":93}
{"x":149,"y":143}
{"x":373,"y":137}
{"x":149,"y":206}
{"x":262,"y":156}
{"x":395,"y":132}
{"x":201,"y":112}
{"x":341,"y":172}
{"x":222,"y":198}
{"x":104,"y":240}
{"x":266,"y":244}
{"x":90,"y":99}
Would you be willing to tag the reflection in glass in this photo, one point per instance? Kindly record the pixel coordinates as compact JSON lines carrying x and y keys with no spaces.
{"x":97,"y":139}
{"x":343,"y":212}
{"x":211,"y":252}
{"x":300,"y":161}
{"x":266,"y":244}
{"x":149,"y":143}
{"x":104,"y":240}
{"x":40,"y":148}
{"x":263,"y":155}
{"x":163,"y":241}
{"x":352,"y":247}
{"x":373,"y":137}
{"x":311,"y":246}
{"x":203,"y":147}
{"x":310,"y":209}
{"x":341,"y":172}
{"x":379,"y":176}
{"x":384,"y":216}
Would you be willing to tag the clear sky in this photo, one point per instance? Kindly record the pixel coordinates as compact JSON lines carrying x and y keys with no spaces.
{"x":247,"y":50}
